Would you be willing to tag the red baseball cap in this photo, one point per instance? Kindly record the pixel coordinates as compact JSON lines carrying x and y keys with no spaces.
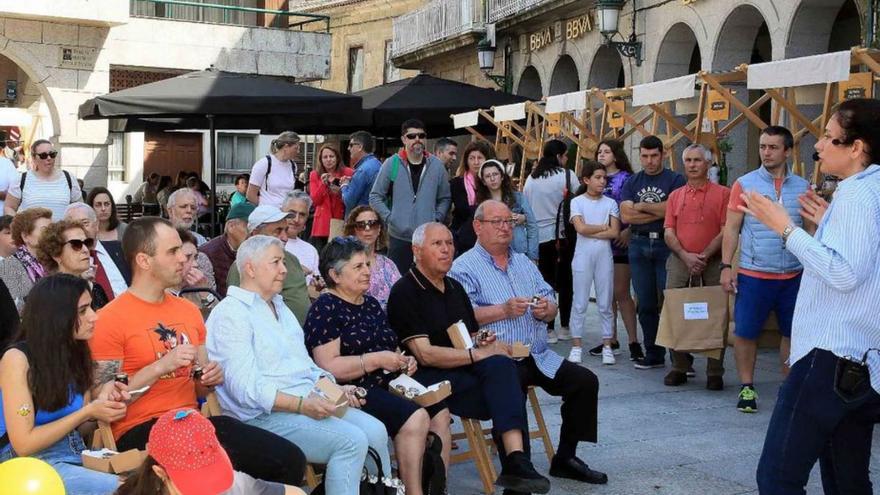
{"x":184,"y":443}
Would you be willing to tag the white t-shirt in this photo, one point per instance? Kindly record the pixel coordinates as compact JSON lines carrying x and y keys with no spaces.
{"x":593,"y":212}
{"x":544,"y":195}
{"x":53,"y":193}
{"x":8,"y":175}
{"x":282,"y":180}
{"x":305,"y":253}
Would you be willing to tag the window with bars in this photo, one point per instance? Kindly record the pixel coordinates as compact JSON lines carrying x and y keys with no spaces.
{"x":116,"y":157}
{"x":236,"y":154}
{"x":355,"y":69}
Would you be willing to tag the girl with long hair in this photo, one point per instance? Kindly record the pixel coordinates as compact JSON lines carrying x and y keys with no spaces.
{"x":325,"y":183}
{"x":611,"y":155}
{"x":463,"y":189}
{"x":45,"y":382}
{"x":110,"y":228}
{"x":495,"y":184}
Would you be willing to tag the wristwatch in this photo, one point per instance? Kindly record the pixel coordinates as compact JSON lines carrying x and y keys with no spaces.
{"x":723,"y":265}
{"x":787,"y":232}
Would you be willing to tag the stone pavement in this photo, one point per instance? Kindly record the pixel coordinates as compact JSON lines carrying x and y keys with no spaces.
{"x":658,"y":440}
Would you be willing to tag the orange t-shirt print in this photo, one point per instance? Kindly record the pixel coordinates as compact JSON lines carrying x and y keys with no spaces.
{"x":139,"y":333}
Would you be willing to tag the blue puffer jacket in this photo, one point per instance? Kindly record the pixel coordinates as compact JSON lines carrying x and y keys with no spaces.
{"x":761,"y":249}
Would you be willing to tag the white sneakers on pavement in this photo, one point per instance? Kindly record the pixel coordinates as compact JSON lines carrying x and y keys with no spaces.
{"x":575,"y":354}
{"x":564,"y":334}
{"x":608,"y":355}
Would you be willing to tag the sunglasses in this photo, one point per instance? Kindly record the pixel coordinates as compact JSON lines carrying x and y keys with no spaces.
{"x":348,"y":240}
{"x":47,"y":154}
{"x":414,"y":135}
{"x":367,"y":224}
{"x":77,"y":244}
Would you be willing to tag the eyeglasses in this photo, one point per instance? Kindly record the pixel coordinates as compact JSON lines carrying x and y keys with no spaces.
{"x":367,"y":224}
{"x":77,"y":244}
{"x":352,"y":144}
{"x":47,"y":154}
{"x":415,"y":135}
{"x":491,"y":176}
{"x":498,"y":224}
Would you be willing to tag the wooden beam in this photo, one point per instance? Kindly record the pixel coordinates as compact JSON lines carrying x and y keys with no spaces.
{"x":739,"y":118}
{"x":826,"y":104}
{"x":793,"y":110}
{"x":671,"y":121}
{"x":755,"y":119}
{"x":701,"y":110}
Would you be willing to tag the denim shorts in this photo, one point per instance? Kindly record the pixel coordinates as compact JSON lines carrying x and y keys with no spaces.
{"x":756,"y":297}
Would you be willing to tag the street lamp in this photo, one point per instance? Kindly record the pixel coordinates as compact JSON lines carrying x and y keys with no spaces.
{"x":608,"y":19}
{"x":486,"y":58}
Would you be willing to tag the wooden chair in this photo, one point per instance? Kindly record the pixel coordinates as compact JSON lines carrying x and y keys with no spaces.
{"x":480,"y":443}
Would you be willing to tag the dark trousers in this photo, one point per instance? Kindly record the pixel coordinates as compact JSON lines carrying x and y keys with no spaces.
{"x":811,"y":421}
{"x":579,"y":389}
{"x":647,"y":262}
{"x":255,"y":451}
{"x":400,"y":252}
{"x":485,"y":390}
{"x":555,"y":267}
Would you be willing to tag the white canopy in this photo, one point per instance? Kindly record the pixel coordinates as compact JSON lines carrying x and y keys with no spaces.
{"x":666,"y":90}
{"x":801,"y":71}
{"x":567,"y":102}
{"x":515,"y":111}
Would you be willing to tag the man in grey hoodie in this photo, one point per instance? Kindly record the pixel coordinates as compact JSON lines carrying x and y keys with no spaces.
{"x":412,"y":188}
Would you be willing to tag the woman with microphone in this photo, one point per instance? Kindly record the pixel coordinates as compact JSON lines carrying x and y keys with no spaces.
{"x":829,"y":402}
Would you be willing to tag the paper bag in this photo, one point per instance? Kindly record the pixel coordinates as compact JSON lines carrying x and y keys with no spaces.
{"x":693,"y":319}
{"x":336,"y":228}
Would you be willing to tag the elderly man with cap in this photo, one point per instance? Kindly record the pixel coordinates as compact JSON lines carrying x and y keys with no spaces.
{"x":269,"y":220}
{"x":221,"y":250}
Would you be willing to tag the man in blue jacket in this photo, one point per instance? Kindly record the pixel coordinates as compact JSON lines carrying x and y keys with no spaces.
{"x":356,"y":190}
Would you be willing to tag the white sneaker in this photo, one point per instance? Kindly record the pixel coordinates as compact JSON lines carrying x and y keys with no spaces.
{"x":551,"y":337}
{"x":608,"y":355}
{"x":564,"y":333}
{"x":574,"y":355}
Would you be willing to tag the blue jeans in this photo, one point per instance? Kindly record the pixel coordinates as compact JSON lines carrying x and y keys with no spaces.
{"x":64,"y":457}
{"x":811,"y":421}
{"x":647,"y":262}
{"x":340,"y":443}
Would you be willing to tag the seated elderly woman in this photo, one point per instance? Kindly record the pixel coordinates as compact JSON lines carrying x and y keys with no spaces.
{"x":64,"y":247}
{"x":364,"y":223}
{"x":270,"y":378}
{"x":21,"y":270}
{"x":348,"y":334}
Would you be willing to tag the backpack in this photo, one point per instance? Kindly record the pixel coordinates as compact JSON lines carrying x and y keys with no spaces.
{"x":565,"y":240}
{"x":433,"y":469}
{"x":66,"y":176}
{"x":395,"y":169}
{"x":269,"y":171}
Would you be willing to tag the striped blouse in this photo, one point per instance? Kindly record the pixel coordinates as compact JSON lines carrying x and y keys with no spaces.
{"x":53,"y":193}
{"x":835,"y":308}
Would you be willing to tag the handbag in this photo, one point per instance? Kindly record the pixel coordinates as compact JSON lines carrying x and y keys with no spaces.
{"x":372,"y":484}
{"x":694,"y":319}
{"x":433,"y":469}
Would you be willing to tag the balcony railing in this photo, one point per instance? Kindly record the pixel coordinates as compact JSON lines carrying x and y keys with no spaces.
{"x":233,"y":12}
{"x":500,"y":9}
{"x":438,"y":20}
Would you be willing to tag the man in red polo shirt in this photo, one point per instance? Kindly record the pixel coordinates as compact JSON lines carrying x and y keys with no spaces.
{"x":695,"y":216}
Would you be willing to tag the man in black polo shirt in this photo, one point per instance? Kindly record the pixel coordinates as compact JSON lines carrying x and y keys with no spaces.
{"x":421,"y":306}
{"x":643,"y":206}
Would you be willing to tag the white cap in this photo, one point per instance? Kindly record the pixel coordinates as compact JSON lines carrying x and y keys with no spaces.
{"x":264,"y":214}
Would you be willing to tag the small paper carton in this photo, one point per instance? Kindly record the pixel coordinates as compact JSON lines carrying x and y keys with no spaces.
{"x":110,"y":461}
{"x":334,"y":394}
{"x":459,"y":335}
{"x":520,"y":350}
{"x":427,"y":396}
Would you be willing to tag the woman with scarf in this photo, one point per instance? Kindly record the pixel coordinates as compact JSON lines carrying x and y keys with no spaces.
{"x":21,"y":270}
{"x":463,"y":188}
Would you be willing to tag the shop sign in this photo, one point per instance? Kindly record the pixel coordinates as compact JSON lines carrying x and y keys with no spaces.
{"x":574,"y":28}
{"x":859,"y":85}
{"x":77,"y":57}
{"x":719,"y":107}
{"x":541,"y":39}
{"x":615,"y":114}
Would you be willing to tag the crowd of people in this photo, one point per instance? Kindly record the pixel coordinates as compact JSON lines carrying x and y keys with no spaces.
{"x":398,"y":253}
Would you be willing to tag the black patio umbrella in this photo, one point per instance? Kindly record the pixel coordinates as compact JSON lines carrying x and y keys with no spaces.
{"x":213,"y":99}
{"x":429,"y":99}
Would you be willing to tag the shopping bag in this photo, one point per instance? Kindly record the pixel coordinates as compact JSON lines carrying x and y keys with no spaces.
{"x":336,"y":228}
{"x":693,"y":319}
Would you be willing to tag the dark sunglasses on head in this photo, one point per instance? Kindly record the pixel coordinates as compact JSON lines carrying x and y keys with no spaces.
{"x":47,"y":154}
{"x":367,"y":224}
{"x":77,"y":244}
{"x":345,"y":240}
{"x":414,"y":135}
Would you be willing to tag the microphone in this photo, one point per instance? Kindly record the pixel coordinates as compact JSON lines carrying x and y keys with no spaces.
{"x":816,"y":156}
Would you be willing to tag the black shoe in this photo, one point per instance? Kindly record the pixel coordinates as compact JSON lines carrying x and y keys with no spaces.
{"x":518,"y":474}
{"x":675,"y":378}
{"x":575,"y":469}
{"x":691,"y":372}
{"x":646,"y":364}
{"x":635,"y":351}
{"x":714,"y":383}
{"x":597,"y":351}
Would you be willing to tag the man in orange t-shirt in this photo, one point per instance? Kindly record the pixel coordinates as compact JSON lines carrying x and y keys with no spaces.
{"x":769,"y":276}
{"x":695,"y":216}
{"x":158,"y":340}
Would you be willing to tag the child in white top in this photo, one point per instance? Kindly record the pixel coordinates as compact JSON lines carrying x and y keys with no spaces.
{"x":596,"y":218}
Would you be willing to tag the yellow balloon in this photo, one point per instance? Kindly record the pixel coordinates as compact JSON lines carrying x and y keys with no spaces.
{"x":29,"y":476}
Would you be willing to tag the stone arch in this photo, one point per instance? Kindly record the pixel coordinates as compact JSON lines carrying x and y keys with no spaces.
{"x":606,"y":71}
{"x":743,"y":38}
{"x":820,"y":26}
{"x":679,"y":53}
{"x":565,"y":76}
{"x":33,"y":67}
{"x":530,"y":84}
